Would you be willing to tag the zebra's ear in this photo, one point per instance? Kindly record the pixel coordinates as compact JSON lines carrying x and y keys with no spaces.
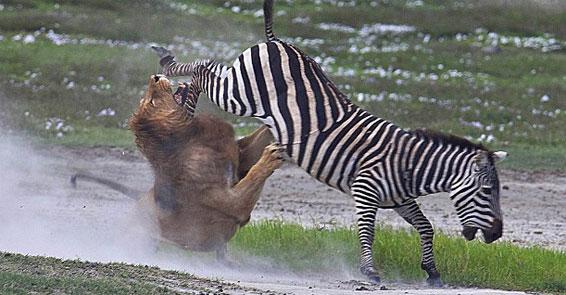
{"x":499,"y":156}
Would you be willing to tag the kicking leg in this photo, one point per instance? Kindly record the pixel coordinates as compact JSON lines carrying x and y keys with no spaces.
{"x":412,"y":213}
{"x":171,"y":68}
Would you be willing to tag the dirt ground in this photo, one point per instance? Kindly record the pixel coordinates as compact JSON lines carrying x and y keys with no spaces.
{"x":43,"y":215}
{"x":533,"y":203}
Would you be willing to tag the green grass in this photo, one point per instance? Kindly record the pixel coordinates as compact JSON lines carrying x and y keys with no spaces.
{"x":15,"y":283}
{"x":95,"y":136}
{"x":528,"y":157}
{"x":397,"y":256}
{"x":305,"y":251}
{"x":21,"y":274}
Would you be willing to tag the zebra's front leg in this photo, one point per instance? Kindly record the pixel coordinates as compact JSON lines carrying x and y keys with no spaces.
{"x":366,"y":234}
{"x":412,"y":213}
{"x":366,"y":209}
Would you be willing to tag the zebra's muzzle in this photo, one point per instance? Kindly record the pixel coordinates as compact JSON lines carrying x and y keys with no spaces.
{"x":469,"y":232}
{"x":494,"y":233}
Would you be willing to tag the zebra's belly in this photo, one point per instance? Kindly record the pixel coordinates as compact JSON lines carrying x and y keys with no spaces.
{"x":331,"y":177}
{"x":392,"y":203}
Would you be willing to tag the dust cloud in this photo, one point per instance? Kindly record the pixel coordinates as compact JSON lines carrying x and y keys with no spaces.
{"x":40,"y":214}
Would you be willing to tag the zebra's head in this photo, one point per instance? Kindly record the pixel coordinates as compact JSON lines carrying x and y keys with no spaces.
{"x":476,"y":197}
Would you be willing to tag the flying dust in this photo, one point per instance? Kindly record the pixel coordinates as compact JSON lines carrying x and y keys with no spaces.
{"x":40,"y":214}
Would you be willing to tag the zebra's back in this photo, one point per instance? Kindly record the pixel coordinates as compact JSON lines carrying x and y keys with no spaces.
{"x":324,"y":133}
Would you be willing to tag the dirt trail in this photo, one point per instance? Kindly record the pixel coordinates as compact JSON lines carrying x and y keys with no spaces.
{"x":43,"y":215}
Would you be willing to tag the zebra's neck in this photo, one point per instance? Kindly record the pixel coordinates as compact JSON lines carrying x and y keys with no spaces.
{"x":433,"y":165}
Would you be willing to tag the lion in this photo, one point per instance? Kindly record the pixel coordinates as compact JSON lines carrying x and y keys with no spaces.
{"x":206,"y":183}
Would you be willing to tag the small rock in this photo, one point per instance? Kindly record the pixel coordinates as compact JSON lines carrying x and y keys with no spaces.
{"x":505,"y":187}
{"x":361,"y":288}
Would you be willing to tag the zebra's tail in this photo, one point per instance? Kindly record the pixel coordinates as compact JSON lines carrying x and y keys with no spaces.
{"x":268,"y":19}
{"x":129,"y":192}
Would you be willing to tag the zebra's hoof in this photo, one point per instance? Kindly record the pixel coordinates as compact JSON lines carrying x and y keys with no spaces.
{"x":434,"y":282}
{"x":371,"y":274}
{"x":374,"y":278}
{"x":161,"y":51}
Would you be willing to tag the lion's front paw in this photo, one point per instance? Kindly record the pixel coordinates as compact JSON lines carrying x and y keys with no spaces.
{"x":272,"y":156}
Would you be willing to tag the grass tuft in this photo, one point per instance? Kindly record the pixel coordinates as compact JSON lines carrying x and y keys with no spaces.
{"x":397,"y":255}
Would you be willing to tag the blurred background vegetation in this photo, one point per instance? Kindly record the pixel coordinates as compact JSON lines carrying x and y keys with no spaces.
{"x":72,"y":71}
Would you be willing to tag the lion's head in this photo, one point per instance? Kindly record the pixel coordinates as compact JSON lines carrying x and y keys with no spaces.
{"x":159,"y":121}
{"x":159,"y":95}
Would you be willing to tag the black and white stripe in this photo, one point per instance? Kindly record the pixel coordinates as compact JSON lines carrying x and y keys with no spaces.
{"x":379,"y":164}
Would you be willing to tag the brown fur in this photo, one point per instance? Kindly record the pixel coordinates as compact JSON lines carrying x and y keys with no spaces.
{"x":206,"y":183}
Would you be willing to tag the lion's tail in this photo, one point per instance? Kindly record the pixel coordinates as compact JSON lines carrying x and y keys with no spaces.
{"x":131,"y":193}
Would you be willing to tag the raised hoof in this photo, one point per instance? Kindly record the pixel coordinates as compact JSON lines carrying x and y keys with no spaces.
{"x":161,"y":51}
{"x":434,"y":282}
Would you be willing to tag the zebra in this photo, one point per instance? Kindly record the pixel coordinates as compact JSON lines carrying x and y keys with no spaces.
{"x":377,"y":163}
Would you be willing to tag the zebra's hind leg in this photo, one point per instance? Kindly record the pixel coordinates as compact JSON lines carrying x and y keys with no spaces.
{"x":412,"y":213}
{"x":366,"y":209}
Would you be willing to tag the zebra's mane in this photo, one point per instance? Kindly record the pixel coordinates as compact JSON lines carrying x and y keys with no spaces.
{"x":447,"y":139}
